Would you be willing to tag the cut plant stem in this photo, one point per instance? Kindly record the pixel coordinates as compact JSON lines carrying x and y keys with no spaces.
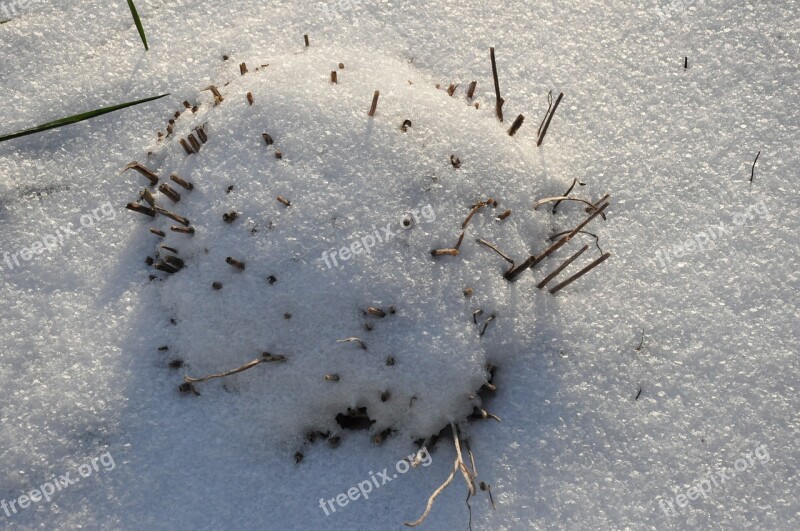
{"x":201,"y":133}
{"x":579,"y":274}
{"x":548,"y":120}
{"x":147,"y":196}
{"x":217,"y":95}
{"x":376,"y":312}
{"x":235,"y":263}
{"x":471,"y":89}
{"x":353,"y":340}
{"x":186,"y":147}
{"x":305,"y":38}
{"x":183,"y":230}
{"x":265,"y":357}
{"x":452,"y":89}
{"x":331,"y":377}
{"x":374,"y":103}
{"x":283,"y":200}
{"x":141,"y":209}
{"x":243,"y":68}
{"x":504,"y":215}
{"x":516,"y":125}
{"x":334,"y":77}
{"x":169,"y":192}
{"x":498,"y":106}
{"x":195,"y":144}
{"x":157,"y":232}
{"x":250,"y":98}
{"x":560,"y":268}
{"x":164,"y":212}
{"x":149,"y":174}
{"x":443,"y":252}
{"x":181,"y":182}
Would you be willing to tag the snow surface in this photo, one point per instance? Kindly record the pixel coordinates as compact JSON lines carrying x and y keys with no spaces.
{"x":80,"y":368}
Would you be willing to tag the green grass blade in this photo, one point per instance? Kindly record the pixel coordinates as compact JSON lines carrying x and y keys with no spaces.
{"x":138,"y":23}
{"x":75,"y":118}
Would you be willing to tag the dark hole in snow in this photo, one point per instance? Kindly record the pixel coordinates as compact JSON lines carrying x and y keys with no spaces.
{"x":355,"y":419}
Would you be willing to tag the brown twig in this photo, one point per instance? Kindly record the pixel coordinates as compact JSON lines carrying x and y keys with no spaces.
{"x":753,"y":169}
{"x":471,"y":89}
{"x":560,"y":268}
{"x":569,"y":190}
{"x":516,"y":125}
{"x":495,"y":249}
{"x":548,"y":119}
{"x":168,"y":191}
{"x":334,"y":77}
{"x":559,"y":199}
{"x":141,"y":209}
{"x":579,"y":274}
{"x":498,"y":107}
{"x":164,"y":212}
{"x":375,"y":97}
{"x":180,"y":182}
{"x":151,"y":175}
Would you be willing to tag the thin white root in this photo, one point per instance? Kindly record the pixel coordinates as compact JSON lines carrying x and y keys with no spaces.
{"x":433,"y":497}
{"x":460,"y":461}
{"x":541,"y":202}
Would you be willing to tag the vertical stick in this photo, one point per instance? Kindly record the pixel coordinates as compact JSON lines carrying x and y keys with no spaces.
{"x":753,"y":169}
{"x":498,"y":108}
{"x":374,"y":103}
{"x":305,"y":38}
{"x":471,"y":89}
{"x":549,"y":117}
{"x":334,"y":77}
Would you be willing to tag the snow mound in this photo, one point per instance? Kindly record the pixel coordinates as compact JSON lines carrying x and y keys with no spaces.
{"x":351,"y":181}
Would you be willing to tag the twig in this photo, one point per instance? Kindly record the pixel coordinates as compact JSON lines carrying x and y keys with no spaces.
{"x":486,"y":323}
{"x":374,"y":103}
{"x":553,"y":248}
{"x":569,"y":190}
{"x":495,"y":249}
{"x":559,"y":199}
{"x":499,"y":101}
{"x":151,"y":175}
{"x":164,"y":212}
{"x":753,"y":169}
{"x":486,"y":487}
{"x":475,"y":208}
{"x":595,"y":236}
{"x":141,"y":209}
{"x":516,"y":125}
{"x":265,"y":357}
{"x":334,"y":76}
{"x":471,"y":89}
{"x":641,"y":343}
{"x":549,"y":118}
{"x":305,"y":38}
{"x":579,"y":274}
{"x":351,"y":340}
{"x":560,"y":268}
{"x":546,"y":114}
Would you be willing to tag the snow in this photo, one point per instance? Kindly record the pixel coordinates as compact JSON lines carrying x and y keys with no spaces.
{"x":82,"y":324}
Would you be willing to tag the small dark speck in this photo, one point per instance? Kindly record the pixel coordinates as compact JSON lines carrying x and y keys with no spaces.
{"x":176,"y":364}
{"x":162,"y":349}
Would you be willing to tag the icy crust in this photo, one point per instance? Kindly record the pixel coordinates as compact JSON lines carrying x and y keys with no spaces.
{"x":347,"y":176}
